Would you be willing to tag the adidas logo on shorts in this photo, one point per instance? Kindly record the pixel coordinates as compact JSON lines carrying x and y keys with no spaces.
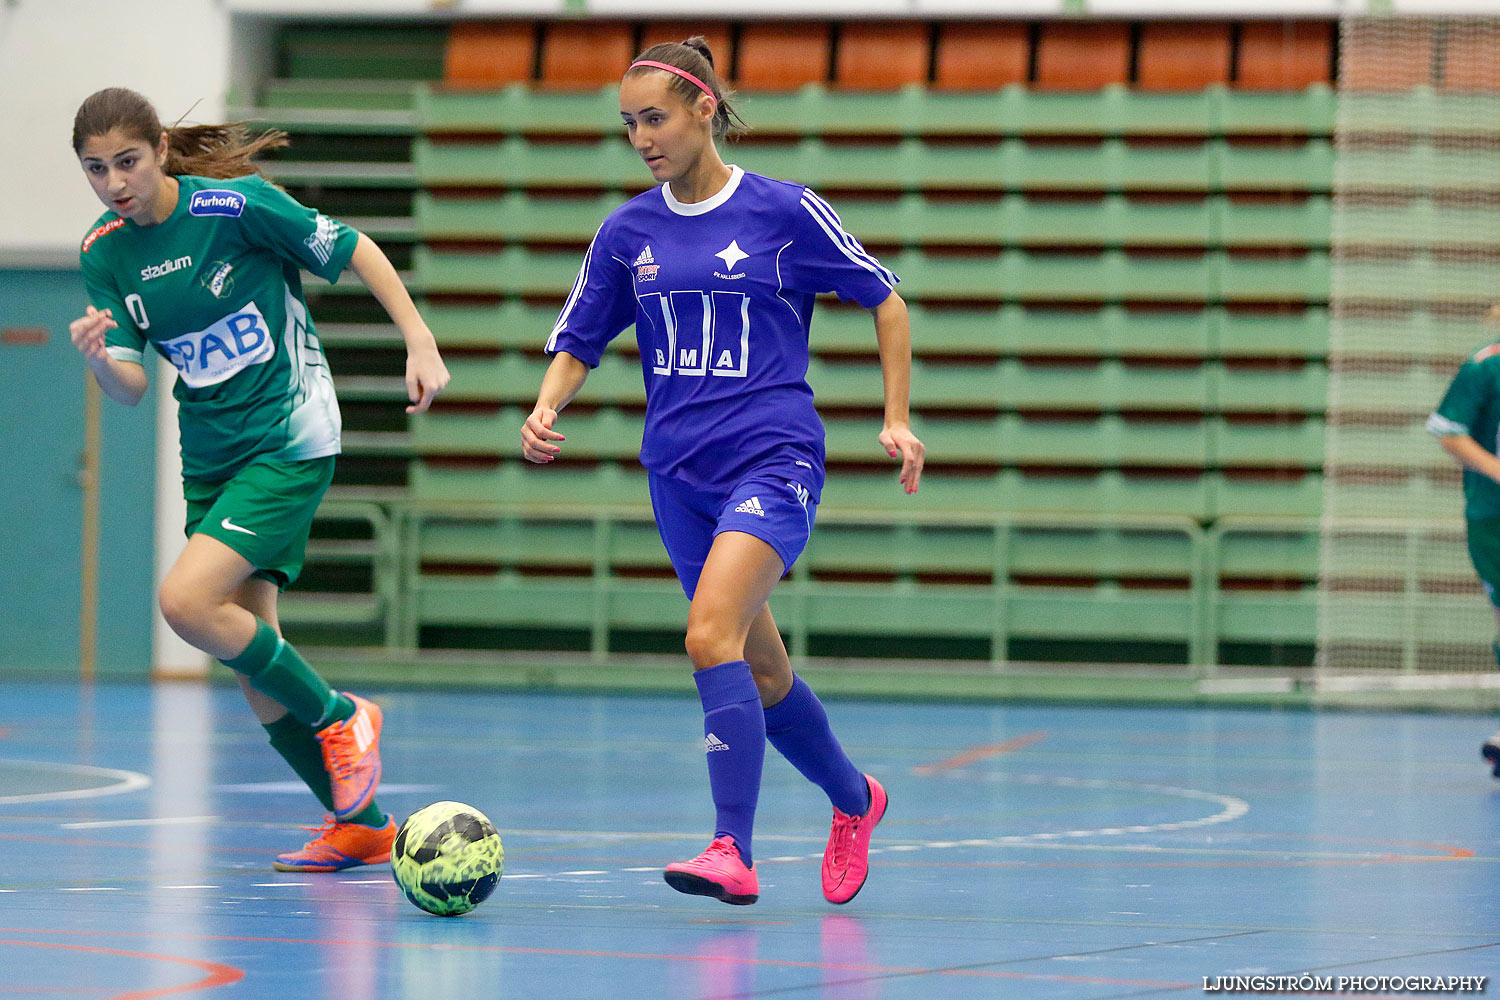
{"x":712,"y":743}
{"x":751,"y":506}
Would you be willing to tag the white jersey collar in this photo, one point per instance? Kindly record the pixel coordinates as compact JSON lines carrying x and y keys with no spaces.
{"x":708,"y":204}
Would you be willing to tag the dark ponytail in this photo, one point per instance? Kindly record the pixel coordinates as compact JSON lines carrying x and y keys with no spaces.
{"x":218,"y":151}
{"x":693,"y":56}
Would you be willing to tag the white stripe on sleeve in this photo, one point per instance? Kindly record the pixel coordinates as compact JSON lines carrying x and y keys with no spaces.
{"x":842,"y":240}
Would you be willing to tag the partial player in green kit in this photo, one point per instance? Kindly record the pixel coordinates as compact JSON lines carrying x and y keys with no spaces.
{"x":200,"y":258}
{"x":1467,"y":424}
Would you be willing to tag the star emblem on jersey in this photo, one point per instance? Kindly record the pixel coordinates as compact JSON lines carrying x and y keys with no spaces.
{"x":731,"y":255}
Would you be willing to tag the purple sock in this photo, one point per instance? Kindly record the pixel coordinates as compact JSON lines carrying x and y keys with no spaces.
{"x":798,"y":727}
{"x":734,"y":740}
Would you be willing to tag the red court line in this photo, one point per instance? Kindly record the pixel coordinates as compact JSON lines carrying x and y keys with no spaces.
{"x":218,"y":975}
{"x":985,"y":752}
{"x":578,"y":953}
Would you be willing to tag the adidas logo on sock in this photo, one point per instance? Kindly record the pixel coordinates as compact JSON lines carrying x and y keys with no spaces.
{"x":644,"y":258}
{"x":751,"y":506}
{"x":712,"y":743}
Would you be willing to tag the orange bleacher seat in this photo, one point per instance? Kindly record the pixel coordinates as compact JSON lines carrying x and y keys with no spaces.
{"x":1470,"y":62}
{"x":782,"y":56}
{"x":716,"y":33}
{"x":981,"y":56}
{"x":882,"y":56}
{"x":1284,"y":55}
{"x":1082,"y":56}
{"x":489,"y":53}
{"x":580,"y":55}
{"x":1182,"y":56}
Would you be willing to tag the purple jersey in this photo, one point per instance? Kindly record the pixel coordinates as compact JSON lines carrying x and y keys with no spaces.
{"x":721,"y":294}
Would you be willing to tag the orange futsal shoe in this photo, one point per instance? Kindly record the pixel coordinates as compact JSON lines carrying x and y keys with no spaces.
{"x":338,"y":846}
{"x":351,"y":756}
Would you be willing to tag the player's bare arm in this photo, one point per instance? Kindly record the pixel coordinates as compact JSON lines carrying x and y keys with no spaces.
{"x":893,"y":334}
{"x":565,"y":376}
{"x":426,"y":374}
{"x":1471,"y":455}
{"x":122,"y":381}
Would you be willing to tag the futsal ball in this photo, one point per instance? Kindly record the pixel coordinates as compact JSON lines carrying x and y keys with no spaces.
{"x":447,"y":858}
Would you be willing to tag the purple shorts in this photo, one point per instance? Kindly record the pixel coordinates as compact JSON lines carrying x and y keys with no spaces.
{"x":777,"y":510}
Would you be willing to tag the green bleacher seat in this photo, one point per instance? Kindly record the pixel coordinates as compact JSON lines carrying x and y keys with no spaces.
{"x":343,"y":95}
{"x":1292,"y":444}
{"x":1415,"y":110}
{"x":1292,"y":277}
{"x":1292,"y":167}
{"x":1285,"y":333}
{"x":1421,"y":168}
{"x":1299,"y":495}
{"x":513,"y":217}
{"x":1419,"y":223}
{"x":1267,"y":617}
{"x":1303,"y":222}
{"x":510,"y":325}
{"x":516,"y":481}
{"x":1419,"y":278}
{"x":1297,"y":388}
{"x":1250,"y":550}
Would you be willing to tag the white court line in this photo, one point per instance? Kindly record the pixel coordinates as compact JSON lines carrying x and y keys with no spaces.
{"x":125,"y":781}
{"x":91,"y":888}
{"x":189,"y":887}
{"x":158,"y":821}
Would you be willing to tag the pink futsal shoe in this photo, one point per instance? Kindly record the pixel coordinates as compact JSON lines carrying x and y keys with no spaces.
{"x":846,"y":861}
{"x":718,"y":872}
{"x":351,"y":756}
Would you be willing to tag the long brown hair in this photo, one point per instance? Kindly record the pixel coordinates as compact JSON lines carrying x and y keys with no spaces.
{"x":218,"y":151}
{"x":693,"y":56}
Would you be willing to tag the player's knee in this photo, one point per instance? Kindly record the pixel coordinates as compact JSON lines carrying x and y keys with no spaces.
{"x":181,"y":607}
{"x":708,"y":644}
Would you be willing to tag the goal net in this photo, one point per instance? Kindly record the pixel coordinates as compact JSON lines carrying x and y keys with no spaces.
{"x":1416,"y":263}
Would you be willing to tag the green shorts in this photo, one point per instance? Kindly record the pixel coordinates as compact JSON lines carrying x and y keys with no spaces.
{"x":264,"y":512}
{"x":1484,"y":551}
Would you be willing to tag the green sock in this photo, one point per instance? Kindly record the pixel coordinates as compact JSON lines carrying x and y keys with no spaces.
{"x":298,"y":745}
{"x":274,"y":668}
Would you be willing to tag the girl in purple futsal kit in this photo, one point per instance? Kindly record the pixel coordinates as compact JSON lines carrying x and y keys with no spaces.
{"x":718,"y":269}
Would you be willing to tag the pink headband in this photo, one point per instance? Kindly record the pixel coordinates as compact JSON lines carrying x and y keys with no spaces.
{"x":690,"y":78}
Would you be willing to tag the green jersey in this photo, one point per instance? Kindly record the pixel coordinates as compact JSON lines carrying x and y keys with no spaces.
{"x":216,"y":289}
{"x":1472,"y":406}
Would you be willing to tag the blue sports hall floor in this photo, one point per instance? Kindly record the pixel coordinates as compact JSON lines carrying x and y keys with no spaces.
{"x":1029,"y":851}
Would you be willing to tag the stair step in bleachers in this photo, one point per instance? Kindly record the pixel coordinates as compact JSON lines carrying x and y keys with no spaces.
{"x":915,"y":219}
{"x":1012,"y":164}
{"x":819,"y":111}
